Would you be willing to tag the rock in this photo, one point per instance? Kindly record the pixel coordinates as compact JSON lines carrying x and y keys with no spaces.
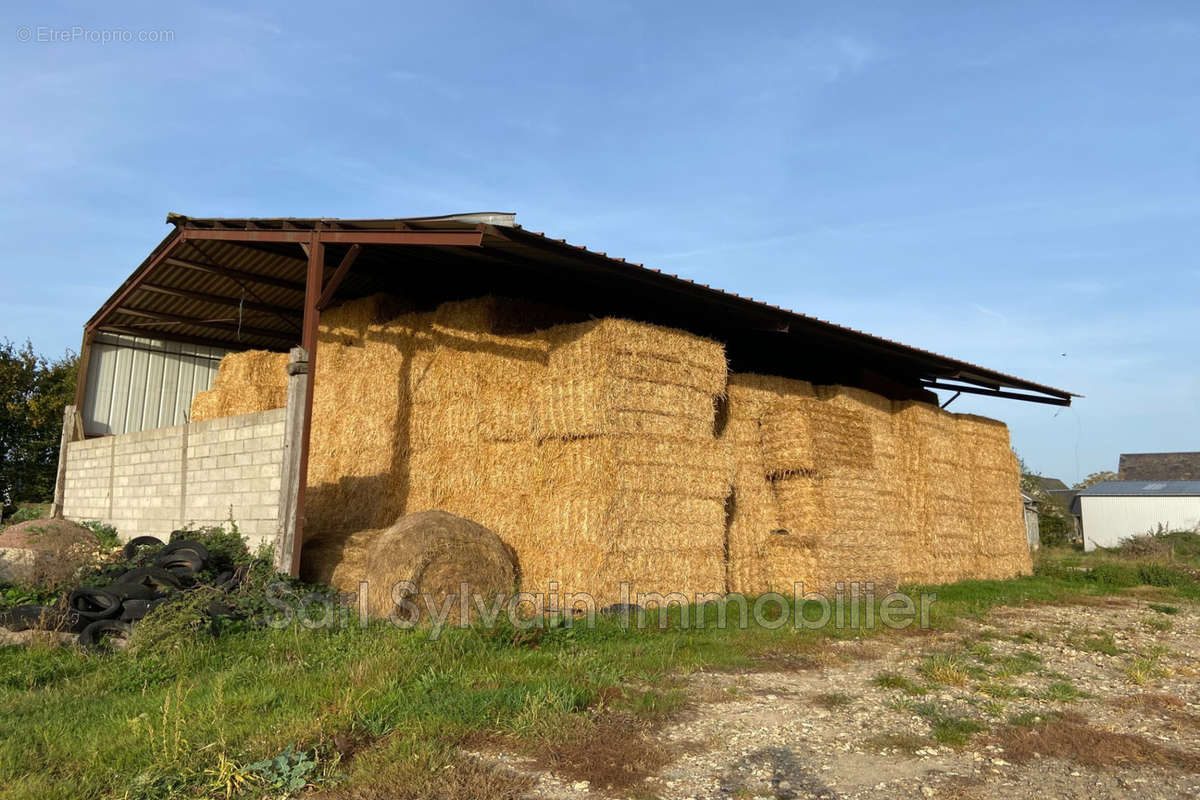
{"x":45,"y":553}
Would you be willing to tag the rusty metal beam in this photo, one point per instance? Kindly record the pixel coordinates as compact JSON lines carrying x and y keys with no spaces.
{"x":412,"y":237}
{"x":218,"y":299}
{"x":1053,"y":401}
{"x":170,"y":336}
{"x":237,"y":274}
{"x":135,"y":281}
{"x":339,"y":275}
{"x":312,"y":319}
{"x":180,"y":319}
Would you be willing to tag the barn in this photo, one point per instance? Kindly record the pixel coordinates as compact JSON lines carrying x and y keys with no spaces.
{"x":1116,"y":510}
{"x":314,"y":378}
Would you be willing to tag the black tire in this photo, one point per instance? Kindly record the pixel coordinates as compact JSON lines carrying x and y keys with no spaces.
{"x":97,"y":635}
{"x":134,"y":545}
{"x":133,"y":610}
{"x":94,"y":604}
{"x":184,"y":562}
{"x":22,"y":618}
{"x":187,"y":544}
{"x":131,"y":591}
{"x":155,"y":578}
{"x":228,"y":580}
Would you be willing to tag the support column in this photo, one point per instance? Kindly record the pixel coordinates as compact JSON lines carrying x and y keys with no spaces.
{"x":287,"y":540}
{"x":60,"y":480}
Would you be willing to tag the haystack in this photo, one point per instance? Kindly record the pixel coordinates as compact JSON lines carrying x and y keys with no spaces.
{"x":246,"y":382}
{"x":435,"y":553}
{"x":595,"y":451}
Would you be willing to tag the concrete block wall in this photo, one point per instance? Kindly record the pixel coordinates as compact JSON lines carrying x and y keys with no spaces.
{"x":154,"y":481}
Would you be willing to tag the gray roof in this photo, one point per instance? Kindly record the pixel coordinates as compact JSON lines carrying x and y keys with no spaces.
{"x":1159,"y":466}
{"x":1050,"y":484}
{"x":1143,"y":489}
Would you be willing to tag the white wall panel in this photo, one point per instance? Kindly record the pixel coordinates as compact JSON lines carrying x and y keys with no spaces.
{"x":136,"y":384}
{"x":1108,"y":520}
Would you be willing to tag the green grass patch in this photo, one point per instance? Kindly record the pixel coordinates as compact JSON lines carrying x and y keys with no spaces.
{"x":894,"y":680}
{"x":192,"y":714}
{"x":1164,"y":609}
{"x":1062,"y":692}
{"x":949,"y":729}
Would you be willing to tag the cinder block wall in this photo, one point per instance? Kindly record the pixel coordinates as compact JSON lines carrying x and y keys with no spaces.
{"x":152,"y":482}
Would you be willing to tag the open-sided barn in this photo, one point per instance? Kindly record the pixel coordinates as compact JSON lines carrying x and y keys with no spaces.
{"x":611,"y":423}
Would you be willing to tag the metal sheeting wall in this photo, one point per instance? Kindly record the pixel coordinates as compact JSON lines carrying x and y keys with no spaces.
{"x":135,"y":384}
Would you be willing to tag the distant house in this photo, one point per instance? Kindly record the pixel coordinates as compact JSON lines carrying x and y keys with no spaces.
{"x":1032,"y":531}
{"x":1053,"y":491}
{"x":1159,"y":467}
{"x":1115,"y":510}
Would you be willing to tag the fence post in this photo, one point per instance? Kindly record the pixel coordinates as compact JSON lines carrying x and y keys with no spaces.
{"x":289,"y":484}
{"x":70,"y":421}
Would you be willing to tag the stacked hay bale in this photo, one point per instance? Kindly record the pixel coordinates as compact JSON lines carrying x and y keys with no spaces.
{"x":633,"y":479}
{"x":588,"y":447}
{"x":995,"y":514}
{"x":775,"y":491}
{"x":856,"y":462}
{"x":246,"y":382}
{"x":595,"y":451}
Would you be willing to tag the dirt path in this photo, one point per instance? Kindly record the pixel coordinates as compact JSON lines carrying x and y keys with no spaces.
{"x":1081,"y":701}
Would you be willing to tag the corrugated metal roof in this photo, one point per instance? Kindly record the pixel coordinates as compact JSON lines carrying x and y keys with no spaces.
{"x":1143,"y":488}
{"x":198,"y":294}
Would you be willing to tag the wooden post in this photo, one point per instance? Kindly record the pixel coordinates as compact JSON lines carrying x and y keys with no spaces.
{"x":290,"y":527}
{"x":70,"y":423}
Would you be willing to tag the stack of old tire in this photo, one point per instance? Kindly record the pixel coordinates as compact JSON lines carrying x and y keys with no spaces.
{"x":103,"y":614}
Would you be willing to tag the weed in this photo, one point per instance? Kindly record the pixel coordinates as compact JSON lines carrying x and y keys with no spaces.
{"x":944,"y":668}
{"x":902,"y":742}
{"x":1103,"y":643}
{"x":1164,"y":609}
{"x":1062,"y":692}
{"x":106,"y":534}
{"x":948,"y":728}
{"x":1158,"y":624}
{"x":998,"y":690}
{"x":1145,"y":668}
{"x":832,"y":700}
{"x":1021,"y":662}
{"x":894,"y":680}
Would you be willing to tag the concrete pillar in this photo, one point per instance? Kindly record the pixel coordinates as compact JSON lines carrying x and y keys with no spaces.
{"x":289,"y":485}
{"x":70,"y":419}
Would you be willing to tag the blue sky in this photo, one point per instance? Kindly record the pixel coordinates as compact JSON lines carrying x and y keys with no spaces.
{"x":1014,"y":185}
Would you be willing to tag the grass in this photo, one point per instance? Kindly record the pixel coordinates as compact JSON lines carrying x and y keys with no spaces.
{"x":376,"y":710}
{"x":947,"y":728}
{"x":894,"y":680}
{"x":832,"y":700}
{"x":1146,"y":667}
{"x":944,"y":668}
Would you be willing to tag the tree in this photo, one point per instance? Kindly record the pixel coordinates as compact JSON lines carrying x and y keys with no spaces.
{"x":33,"y":393}
{"x":1096,"y":477}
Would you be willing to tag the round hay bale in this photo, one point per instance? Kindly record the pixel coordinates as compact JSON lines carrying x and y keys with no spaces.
{"x":45,"y":552}
{"x":436,"y":553}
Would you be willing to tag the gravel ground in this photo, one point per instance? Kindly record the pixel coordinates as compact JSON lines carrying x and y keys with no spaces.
{"x":1076,"y":701}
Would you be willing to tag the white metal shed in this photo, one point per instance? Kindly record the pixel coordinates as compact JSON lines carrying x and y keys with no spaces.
{"x":1115,"y":510}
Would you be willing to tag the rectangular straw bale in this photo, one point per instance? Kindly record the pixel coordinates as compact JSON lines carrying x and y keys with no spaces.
{"x":610,"y":464}
{"x":615,"y":376}
{"x":612,"y":344}
{"x":996,"y":513}
{"x":350,"y":322}
{"x":754,"y":509}
{"x":661,"y":571}
{"x":247,"y":382}
{"x":205,"y":406}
